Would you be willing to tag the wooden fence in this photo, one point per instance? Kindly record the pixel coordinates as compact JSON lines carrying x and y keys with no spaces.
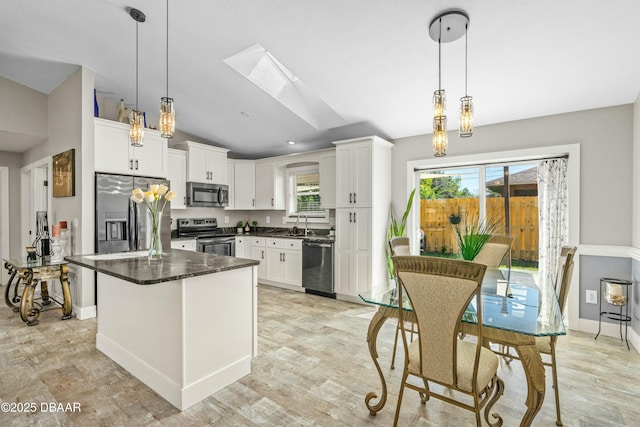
{"x":440,"y":235}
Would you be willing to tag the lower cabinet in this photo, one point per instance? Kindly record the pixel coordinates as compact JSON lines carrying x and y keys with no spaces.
{"x":185,"y":245}
{"x":242,"y":247}
{"x":283,"y":261}
{"x":258,"y":252}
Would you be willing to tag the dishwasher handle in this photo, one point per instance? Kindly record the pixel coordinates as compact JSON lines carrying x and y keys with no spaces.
{"x":317,"y":245}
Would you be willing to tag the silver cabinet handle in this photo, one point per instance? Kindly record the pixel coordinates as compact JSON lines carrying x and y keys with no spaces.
{"x":354,"y":198}
{"x":354,"y":217}
{"x":185,"y":200}
{"x":136,"y":164}
{"x":253,"y":202}
{"x":350,"y":197}
{"x":130,"y":164}
{"x":262,"y":254}
{"x":350,"y":217}
{"x":284,"y":259}
{"x":272,"y":201}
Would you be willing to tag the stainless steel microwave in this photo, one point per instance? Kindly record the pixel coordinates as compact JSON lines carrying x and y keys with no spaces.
{"x":201,"y":194}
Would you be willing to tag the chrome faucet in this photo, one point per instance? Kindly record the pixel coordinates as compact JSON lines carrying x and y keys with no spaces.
{"x":306,"y":224}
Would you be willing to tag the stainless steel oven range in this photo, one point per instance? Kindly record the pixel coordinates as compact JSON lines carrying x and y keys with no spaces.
{"x":209,"y":238}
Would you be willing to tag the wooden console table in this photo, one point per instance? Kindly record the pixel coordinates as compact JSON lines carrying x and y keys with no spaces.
{"x":29,"y":274}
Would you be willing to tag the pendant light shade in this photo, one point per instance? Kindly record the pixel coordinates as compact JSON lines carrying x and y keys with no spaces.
{"x":136,"y":130}
{"x":167,"y":123}
{"x":440,"y":139}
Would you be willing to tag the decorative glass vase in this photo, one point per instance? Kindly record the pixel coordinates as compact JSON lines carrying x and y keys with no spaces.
{"x":155,"y":246}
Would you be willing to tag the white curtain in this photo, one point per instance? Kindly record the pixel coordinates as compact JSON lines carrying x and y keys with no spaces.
{"x":553,"y":223}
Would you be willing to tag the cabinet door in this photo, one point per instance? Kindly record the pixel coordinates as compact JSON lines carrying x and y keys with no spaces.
{"x":328,"y":181}
{"x":151,"y":158}
{"x":264,"y":185}
{"x":344,"y":253}
{"x":244,"y":181}
{"x":177,"y":175}
{"x":362,"y":175}
{"x":112,"y":148}
{"x":241,"y":247}
{"x":231,"y":181}
{"x":197,"y":169}
{"x":217,"y":167}
{"x":344,"y":176}
{"x":274,"y":266}
{"x":259,"y":254}
{"x":361,"y":246}
{"x":292,"y":267}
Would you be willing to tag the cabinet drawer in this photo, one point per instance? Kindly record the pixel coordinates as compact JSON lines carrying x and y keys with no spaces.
{"x":258,"y":242}
{"x":187,"y":245}
{"x":293,"y":244}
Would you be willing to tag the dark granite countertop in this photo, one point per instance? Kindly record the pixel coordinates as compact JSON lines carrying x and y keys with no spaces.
{"x":175,"y":264}
{"x":284,"y":234}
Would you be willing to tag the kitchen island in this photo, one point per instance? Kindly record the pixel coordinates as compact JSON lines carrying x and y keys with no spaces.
{"x":185,"y":325}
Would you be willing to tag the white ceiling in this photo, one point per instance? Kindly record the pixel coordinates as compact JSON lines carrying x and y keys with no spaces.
{"x":372,"y":61}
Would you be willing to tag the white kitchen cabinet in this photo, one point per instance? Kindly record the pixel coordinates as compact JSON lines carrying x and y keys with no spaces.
{"x":242,"y":247}
{"x":258,"y":252}
{"x":114,"y":154}
{"x":328,"y":180}
{"x":184,"y":244}
{"x":244,"y":181}
{"x":269,"y":188}
{"x":206,"y":163}
{"x":177,"y":175}
{"x":363,"y":197}
{"x":284,"y":261}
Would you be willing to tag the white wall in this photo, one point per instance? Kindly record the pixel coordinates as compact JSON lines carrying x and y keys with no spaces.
{"x":23,"y":111}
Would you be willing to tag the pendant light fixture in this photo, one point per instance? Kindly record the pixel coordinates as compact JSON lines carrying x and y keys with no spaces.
{"x":167,"y":112}
{"x":466,"y":102}
{"x":446,"y":27}
{"x":136,"y":130}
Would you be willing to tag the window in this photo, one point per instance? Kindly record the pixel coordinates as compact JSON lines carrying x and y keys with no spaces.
{"x":303,"y":193}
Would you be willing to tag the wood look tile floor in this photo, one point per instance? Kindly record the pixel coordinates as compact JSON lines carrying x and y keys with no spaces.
{"x":313,"y":368}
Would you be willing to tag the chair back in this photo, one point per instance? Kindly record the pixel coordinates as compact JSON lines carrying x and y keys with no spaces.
{"x":494,"y":250}
{"x":439,"y":290}
{"x":399,"y":245}
{"x":565,"y":272}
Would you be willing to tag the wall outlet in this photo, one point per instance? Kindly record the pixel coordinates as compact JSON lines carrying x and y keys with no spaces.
{"x":267,"y":219}
{"x":226,"y":219}
{"x":592,"y":297}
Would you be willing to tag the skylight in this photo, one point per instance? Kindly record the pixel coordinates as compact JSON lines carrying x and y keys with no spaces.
{"x":262,"y":69}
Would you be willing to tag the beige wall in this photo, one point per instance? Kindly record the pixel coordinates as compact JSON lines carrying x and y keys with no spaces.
{"x":605,"y":136}
{"x":13,"y":161}
{"x":22,"y":110}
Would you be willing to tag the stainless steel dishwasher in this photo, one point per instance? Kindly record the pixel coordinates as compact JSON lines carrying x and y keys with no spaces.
{"x":317,"y":268}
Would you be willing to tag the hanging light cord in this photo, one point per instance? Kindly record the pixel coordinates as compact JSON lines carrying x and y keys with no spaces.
{"x":439,"y":56}
{"x":466,"y":33}
{"x":136,"y":65}
{"x":167,"y":48}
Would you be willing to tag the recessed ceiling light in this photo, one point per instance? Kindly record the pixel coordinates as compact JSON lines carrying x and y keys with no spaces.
{"x":291,"y":142}
{"x":245,"y":114}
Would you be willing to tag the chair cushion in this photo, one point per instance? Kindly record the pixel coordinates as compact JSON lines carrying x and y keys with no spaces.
{"x":487,"y":367}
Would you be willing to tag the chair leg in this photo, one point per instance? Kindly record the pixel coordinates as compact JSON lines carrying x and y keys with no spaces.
{"x":554,"y":373}
{"x":395,"y":346}
{"x":397,"y":415}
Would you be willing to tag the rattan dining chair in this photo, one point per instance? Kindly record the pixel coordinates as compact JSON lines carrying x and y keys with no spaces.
{"x":399,"y":245}
{"x":494,"y":251}
{"x":440,"y":291}
{"x":547,"y":345}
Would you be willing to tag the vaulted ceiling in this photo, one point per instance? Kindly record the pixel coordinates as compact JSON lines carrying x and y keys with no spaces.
{"x":371,"y":61}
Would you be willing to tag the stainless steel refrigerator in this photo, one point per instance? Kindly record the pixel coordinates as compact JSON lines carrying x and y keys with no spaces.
{"x":121,"y":224}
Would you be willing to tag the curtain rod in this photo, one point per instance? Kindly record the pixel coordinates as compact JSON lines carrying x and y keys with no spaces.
{"x":563,"y":156}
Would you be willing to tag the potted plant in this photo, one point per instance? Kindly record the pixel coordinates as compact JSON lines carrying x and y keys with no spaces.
{"x":254,"y":226}
{"x":396,"y":229}
{"x":471,"y":236}
{"x":239,"y":227}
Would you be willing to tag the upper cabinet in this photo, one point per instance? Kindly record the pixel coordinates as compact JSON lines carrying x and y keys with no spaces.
{"x":269,"y":189}
{"x":328,"y":180}
{"x":243,"y":186}
{"x":205,"y":163}
{"x":114,"y":153}
{"x":177,"y":175}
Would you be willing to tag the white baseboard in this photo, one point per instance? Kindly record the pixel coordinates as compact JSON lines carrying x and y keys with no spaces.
{"x":83,"y":313}
{"x":178,"y":395}
{"x":281,"y":285}
{"x":610,"y":330}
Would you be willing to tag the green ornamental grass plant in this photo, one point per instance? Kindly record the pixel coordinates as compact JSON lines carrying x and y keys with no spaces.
{"x":472,"y":234}
{"x":397,"y":229}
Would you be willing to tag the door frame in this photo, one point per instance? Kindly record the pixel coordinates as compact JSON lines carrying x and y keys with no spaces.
{"x":4,"y":218}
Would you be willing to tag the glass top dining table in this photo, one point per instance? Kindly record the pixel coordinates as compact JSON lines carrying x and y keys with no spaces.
{"x":515,"y":313}
{"x":508,"y":304}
